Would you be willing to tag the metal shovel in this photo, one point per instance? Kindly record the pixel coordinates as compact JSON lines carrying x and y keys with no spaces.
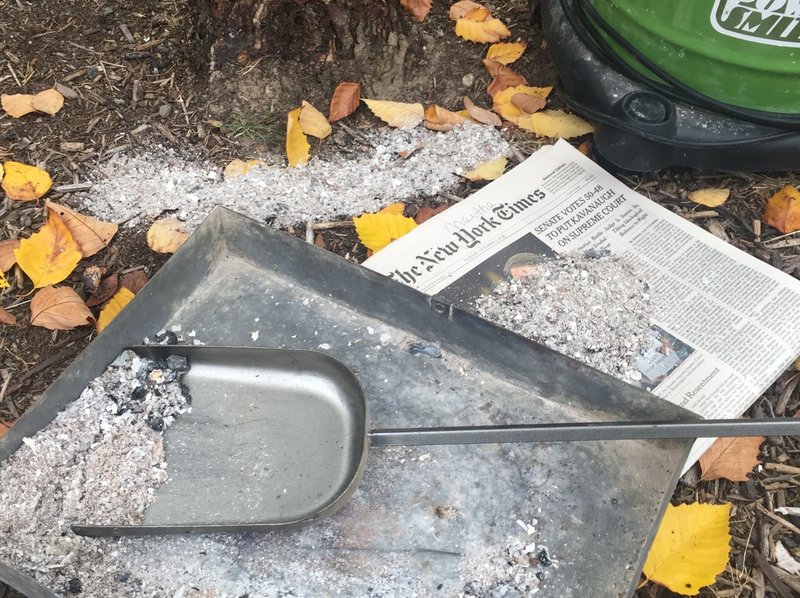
{"x":278,"y":438}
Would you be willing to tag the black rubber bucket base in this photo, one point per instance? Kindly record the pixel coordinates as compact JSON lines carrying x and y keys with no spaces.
{"x":641,"y":129}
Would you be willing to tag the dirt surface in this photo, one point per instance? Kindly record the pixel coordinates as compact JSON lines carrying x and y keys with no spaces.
{"x":134,"y":76}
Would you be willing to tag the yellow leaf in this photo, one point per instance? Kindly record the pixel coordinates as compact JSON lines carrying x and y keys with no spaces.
{"x":89,"y":233}
{"x":115,"y":305}
{"x":506,"y":53}
{"x":488,"y":171}
{"x":25,"y":183}
{"x":395,"y":208}
{"x":7,"y":257}
{"x":298,"y":151}
{"x":166,"y":235}
{"x":503,"y":105}
{"x":460,"y":9}
{"x":17,"y":104}
{"x":238,"y":168}
{"x":555,"y":124}
{"x":313,"y":122}
{"x":4,"y":284}
{"x":691,"y":547}
{"x":731,"y":458}
{"x":397,"y":114}
{"x":419,"y":9}
{"x":48,"y":101}
{"x":376,"y":231}
{"x":483,"y":32}
{"x":59,"y":309}
{"x":50,"y":255}
{"x":783,"y":210}
{"x":478,"y":14}
{"x":710,"y":198}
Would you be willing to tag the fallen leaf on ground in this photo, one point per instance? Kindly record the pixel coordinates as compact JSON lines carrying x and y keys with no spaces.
{"x":115,"y":305}
{"x":478,"y":14}
{"x":17,"y":105}
{"x":50,"y":255}
{"x":731,"y":458}
{"x":4,"y":284}
{"x":7,"y":257}
{"x":59,"y":309}
{"x":238,"y":168}
{"x":427,"y":213}
{"x":441,"y":119}
{"x":785,"y":560}
{"x":376,"y":231}
{"x":460,"y":9}
{"x":690,"y":548}
{"x":527,"y":103}
{"x":482,"y":115}
{"x":7,"y":317}
{"x":89,"y":233}
{"x":397,"y":114}
{"x":488,"y":171}
{"x":313,"y":122}
{"x":345,"y":100}
{"x":133,"y":281}
{"x":506,"y":53}
{"x":783,"y":210}
{"x":298,"y":150}
{"x":48,"y":101}
{"x":710,"y":198}
{"x":501,"y":102}
{"x":319,"y":241}
{"x":419,"y":9}
{"x":555,"y":124}
{"x":105,"y":290}
{"x":394,"y":208}
{"x":5,"y":426}
{"x":23,"y":182}
{"x":166,"y":235}
{"x":482,"y":32}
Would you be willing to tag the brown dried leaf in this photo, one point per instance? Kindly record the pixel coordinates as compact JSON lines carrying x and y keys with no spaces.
{"x":89,"y":233}
{"x":133,"y":281}
{"x":17,"y":104}
{"x":345,"y":100}
{"x":105,"y":290}
{"x":7,"y":257}
{"x":319,"y":241}
{"x":482,"y":115}
{"x":166,"y":235}
{"x":441,"y":119}
{"x":527,"y":103}
{"x":5,"y":426}
{"x":7,"y":317}
{"x":59,"y":309}
{"x":504,"y":77}
{"x":459,"y":10}
{"x":48,"y":101}
{"x":731,"y":458}
{"x":427,"y":213}
{"x":419,"y":9}
{"x":783,"y":210}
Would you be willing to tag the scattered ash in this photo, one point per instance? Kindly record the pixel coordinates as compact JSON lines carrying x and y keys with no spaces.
{"x":99,"y":461}
{"x":593,"y":307}
{"x":131,"y":189}
{"x":514,"y":569}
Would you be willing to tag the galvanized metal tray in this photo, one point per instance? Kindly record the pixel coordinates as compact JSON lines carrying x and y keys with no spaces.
{"x":237,"y":282}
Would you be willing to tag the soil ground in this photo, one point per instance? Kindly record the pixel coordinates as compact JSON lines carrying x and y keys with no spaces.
{"x":134,"y":78}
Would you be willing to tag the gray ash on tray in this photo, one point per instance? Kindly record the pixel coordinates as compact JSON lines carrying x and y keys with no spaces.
{"x":595,"y":307}
{"x":99,"y":461}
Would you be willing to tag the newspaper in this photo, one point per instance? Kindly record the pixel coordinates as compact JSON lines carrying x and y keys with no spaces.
{"x":724,"y":323}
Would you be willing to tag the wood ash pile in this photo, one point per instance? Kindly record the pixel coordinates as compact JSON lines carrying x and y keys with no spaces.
{"x":99,"y":461}
{"x":594,"y":307}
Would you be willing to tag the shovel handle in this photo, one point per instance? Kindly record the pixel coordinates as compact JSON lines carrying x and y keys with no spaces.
{"x":631,"y":430}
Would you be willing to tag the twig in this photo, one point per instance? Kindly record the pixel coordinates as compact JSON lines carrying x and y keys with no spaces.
{"x":355,"y":134}
{"x":517,"y":154}
{"x":13,"y":74}
{"x":781,"y":468}
{"x":72,"y":187}
{"x":702,"y":214}
{"x":334,"y":224}
{"x":310,"y":230}
{"x":452,"y":197}
{"x":772,"y":575}
{"x":792,"y":528}
{"x":43,"y":365}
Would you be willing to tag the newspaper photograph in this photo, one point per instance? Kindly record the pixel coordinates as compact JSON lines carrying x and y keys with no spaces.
{"x":723,"y":328}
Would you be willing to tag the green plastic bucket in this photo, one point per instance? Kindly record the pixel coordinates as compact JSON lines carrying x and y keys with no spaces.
{"x":743,"y":53}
